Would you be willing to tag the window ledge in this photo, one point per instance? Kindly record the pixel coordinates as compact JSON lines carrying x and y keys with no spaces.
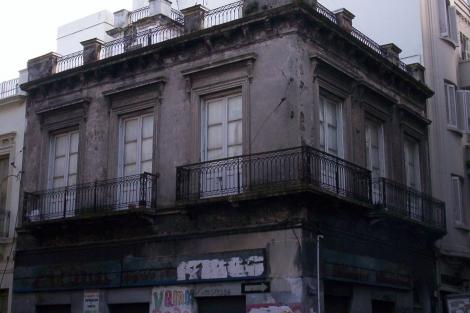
{"x":455,"y":130}
{"x":453,"y":44}
{"x":462,"y":226}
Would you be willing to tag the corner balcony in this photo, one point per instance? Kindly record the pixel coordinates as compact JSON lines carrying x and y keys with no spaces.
{"x":108,"y":198}
{"x":274,"y":173}
{"x":400,"y":201}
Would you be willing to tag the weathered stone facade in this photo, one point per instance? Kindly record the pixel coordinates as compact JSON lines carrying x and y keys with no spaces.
{"x":281,"y":61}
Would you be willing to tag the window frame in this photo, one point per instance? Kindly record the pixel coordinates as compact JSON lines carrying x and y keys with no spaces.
{"x":457,"y":204}
{"x":451,"y":89}
{"x":120,"y":146}
{"x":203,"y":118}
{"x":381,"y":138}
{"x":51,"y":156}
{"x":340,"y":122}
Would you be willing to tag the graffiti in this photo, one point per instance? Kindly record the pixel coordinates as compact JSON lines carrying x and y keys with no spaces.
{"x":235,"y":267}
{"x":172,"y":300}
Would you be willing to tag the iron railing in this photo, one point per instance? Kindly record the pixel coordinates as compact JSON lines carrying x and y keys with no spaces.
{"x":271,"y":173}
{"x":141,"y":39}
{"x":100,"y":197}
{"x":69,"y":61}
{"x":403,"y":201}
{"x":9,"y":88}
{"x":176,"y":15}
{"x":223,"y":14}
{"x":138,"y":14}
{"x":217,"y":16}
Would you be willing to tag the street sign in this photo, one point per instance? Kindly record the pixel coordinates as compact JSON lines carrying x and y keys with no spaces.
{"x":260,"y":287}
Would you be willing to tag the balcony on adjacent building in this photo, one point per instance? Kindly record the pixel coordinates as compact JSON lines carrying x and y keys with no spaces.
{"x":464,"y":74}
{"x":401,"y":201}
{"x":100,"y":198}
{"x":271,"y":174}
{"x":9,"y":88}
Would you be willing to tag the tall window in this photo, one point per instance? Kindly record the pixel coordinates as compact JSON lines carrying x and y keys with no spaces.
{"x":331,"y":128}
{"x":412,"y":164}
{"x":451,"y":105}
{"x":464,"y":47}
{"x":63,"y":158}
{"x":457,"y":199}
{"x":448,"y":21}
{"x":222,"y":137}
{"x":222,"y":127}
{"x":136,"y":145}
{"x":375,"y":148}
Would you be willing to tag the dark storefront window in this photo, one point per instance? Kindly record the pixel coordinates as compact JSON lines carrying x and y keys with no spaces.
{"x":129,"y":308}
{"x":383,"y":306}
{"x":337,"y":304}
{"x":221,"y":305}
{"x":53,"y":308}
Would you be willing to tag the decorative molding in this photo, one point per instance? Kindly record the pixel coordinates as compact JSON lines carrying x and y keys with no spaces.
{"x":248,"y":58}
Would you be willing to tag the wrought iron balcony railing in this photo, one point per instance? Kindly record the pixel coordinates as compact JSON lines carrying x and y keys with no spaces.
{"x":217,"y":16}
{"x":9,"y":88}
{"x":97,"y":198}
{"x":406,"y":202}
{"x":271,"y":173}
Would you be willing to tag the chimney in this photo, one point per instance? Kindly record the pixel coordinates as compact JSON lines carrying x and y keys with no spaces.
{"x":345,"y":19}
{"x":91,"y":50}
{"x":162,"y":7}
{"x":121,"y":18}
{"x":417,"y":71}
{"x":194,"y":18}
{"x":42,"y":66}
{"x":392,"y":52}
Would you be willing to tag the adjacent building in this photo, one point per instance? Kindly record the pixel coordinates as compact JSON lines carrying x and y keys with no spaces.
{"x":201,"y":159}
{"x":436,"y":33}
{"x":12,"y":125}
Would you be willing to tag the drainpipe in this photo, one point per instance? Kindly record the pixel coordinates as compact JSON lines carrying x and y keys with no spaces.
{"x":319,"y":237}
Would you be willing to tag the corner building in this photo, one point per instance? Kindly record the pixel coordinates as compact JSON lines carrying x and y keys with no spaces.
{"x":191,"y":167}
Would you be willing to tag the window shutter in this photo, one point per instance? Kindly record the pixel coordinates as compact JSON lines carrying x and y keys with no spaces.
{"x":451,"y":105}
{"x":457,"y":198}
{"x":443,"y":18}
{"x":453,"y":32}
{"x":467,"y":49}
{"x":463,"y":108}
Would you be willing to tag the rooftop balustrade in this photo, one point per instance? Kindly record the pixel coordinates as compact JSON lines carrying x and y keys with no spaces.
{"x":9,"y":88}
{"x":217,"y":16}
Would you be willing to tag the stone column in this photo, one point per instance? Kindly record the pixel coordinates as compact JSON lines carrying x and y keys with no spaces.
{"x":91,"y":50}
{"x":42,"y":66}
{"x":121,"y":18}
{"x":162,"y":7}
{"x":345,"y":19}
{"x":194,"y":18}
{"x":392,"y":52}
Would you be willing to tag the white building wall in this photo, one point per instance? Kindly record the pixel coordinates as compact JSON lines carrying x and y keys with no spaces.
{"x":12,"y":122}
{"x":70,"y":35}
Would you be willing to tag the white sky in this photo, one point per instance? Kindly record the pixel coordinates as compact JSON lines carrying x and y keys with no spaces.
{"x":28,"y":28}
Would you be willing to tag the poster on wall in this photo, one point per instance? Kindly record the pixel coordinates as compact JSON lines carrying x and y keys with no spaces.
{"x":91,"y":301}
{"x":458,"y":303}
{"x":172,"y":300}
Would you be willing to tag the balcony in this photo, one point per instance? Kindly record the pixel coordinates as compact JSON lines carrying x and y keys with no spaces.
{"x":273,"y":173}
{"x":404,"y":202}
{"x":464,"y":74}
{"x":9,"y":88}
{"x":101,"y":198}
